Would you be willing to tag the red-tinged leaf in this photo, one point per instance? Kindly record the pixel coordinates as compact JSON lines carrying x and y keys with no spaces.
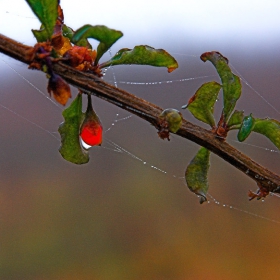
{"x":201,"y":105}
{"x":59,"y":88}
{"x":231,"y":83}
{"x":197,"y":172}
{"x":91,"y":129}
{"x":57,"y":39}
{"x":143,"y":55}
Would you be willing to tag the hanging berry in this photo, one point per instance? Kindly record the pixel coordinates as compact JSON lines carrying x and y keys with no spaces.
{"x":91,"y":128}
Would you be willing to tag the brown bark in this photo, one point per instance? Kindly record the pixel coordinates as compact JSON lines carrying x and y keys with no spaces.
{"x":149,"y":112}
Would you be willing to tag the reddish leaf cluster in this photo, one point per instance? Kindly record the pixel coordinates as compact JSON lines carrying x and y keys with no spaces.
{"x":81,"y":58}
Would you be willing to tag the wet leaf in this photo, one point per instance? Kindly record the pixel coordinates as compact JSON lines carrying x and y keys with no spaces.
{"x":231,"y":83}
{"x":46,"y":11}
{"x":143,"y":55}
{"x":106,"y":36}
{"x":245,"y":128}
{"x":69,"y":130}
{"x":201,"y":105}
{"x":196,"y":174}
{"x":235,"y":119}
{"x":269,"y":128}
{"x":59,"y":88}
{"x":91,"y":129}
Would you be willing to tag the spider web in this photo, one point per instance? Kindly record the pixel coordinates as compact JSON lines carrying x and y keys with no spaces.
{"x":120,"y":118}
{"x":158,"y":91}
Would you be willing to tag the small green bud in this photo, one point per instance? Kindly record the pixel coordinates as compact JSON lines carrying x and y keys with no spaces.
{"x":174,"y":119}
{"x":246,"y":128}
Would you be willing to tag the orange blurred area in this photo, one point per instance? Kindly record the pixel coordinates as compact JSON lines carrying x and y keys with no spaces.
{"x":128,"y":213}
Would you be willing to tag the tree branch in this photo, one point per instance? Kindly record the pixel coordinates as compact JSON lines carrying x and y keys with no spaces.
{"x":149,"y":112}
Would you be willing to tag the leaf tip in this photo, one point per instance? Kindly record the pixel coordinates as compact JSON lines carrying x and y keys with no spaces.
{"x":210,"y":55}
{"x":171,"y":69}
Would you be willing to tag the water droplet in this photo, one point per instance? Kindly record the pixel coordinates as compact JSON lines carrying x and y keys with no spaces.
{"x":247,"y":171}
{"x":257,"y":176}
{"x":144,"y":162}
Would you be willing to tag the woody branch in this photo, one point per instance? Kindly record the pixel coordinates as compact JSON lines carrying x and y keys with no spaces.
{"x":149,"y":112}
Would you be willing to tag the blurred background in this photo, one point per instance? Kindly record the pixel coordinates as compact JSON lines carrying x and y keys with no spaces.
{"x":117,"y":217}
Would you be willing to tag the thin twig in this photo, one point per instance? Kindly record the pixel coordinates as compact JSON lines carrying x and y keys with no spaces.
{"x":149,"y":112}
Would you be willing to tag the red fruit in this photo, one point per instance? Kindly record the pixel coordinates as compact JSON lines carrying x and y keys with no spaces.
{"x":91,"y":128}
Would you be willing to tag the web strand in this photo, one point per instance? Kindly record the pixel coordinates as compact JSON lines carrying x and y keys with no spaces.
{"x":114,"y":147}
{"x":31,"y":84}
{"x":254,"y":90}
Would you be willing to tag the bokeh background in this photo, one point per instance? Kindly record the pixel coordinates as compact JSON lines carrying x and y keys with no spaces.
{"x":116,"y":217}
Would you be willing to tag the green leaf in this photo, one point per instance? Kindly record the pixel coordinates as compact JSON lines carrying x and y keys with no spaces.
{"x":143,"y":55}
{"x":235,"y":119}
{"x":106,"y":36}
{"x":69,"y":130}
{"x":201,"y":105}
{"x":231,"y":83}
{"x":196,"y":174}
{"x":69,"y":33}
{"x":46,"y":11}
{"x":269,"y":128}
{"x":246,"y":128}
{"x":41,"y":35}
